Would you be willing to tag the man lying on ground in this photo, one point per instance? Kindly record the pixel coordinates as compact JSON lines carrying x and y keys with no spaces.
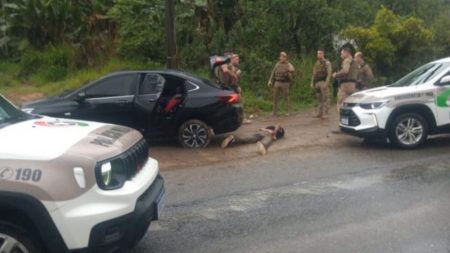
{"x":263,"y":139}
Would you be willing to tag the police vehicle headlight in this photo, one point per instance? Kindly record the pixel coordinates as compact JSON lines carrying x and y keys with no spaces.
{"x":372,"y":106}
{"x":106,"y":171}
{"x":111,"y":175}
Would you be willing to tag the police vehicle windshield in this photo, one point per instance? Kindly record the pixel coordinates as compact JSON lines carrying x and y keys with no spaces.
{"x":422,"y":75}
{"x":10,"y":114}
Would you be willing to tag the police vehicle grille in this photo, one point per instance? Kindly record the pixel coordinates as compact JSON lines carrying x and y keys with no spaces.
{"x":353,"y":120}
{"x":136,"y":157}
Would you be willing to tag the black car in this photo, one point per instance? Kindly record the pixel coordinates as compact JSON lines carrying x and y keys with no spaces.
{"x":160,"y":104}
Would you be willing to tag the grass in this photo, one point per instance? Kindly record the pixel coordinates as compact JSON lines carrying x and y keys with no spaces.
{"x":11,"y":84}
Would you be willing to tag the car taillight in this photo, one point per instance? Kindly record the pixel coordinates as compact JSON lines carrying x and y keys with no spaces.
{"x":231,"y":99}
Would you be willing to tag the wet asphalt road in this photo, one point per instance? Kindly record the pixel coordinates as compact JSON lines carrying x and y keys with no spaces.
{"x":352,"y":198}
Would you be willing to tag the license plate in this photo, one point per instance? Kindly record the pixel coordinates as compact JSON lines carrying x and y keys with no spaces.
{"x":161,"y":202}
{"x":344,"y":120}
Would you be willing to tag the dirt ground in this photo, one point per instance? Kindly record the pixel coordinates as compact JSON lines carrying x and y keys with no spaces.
{"x":19,"y":99}
{"x":302,"y":131}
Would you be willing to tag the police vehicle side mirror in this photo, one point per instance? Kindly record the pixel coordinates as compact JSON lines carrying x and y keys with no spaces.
{"x":445,"y":80}
{"x":80,"y":97}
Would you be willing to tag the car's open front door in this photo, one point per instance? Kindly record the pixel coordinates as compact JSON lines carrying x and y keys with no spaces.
{"x":150,"y":90}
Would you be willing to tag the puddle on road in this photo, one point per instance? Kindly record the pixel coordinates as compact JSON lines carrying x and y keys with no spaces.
{"x":421,"y":172}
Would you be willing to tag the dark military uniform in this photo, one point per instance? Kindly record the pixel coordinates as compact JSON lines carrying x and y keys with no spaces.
{"x":320,"y":80}
{"x":347,"y":77}
{"x":281,"y":78}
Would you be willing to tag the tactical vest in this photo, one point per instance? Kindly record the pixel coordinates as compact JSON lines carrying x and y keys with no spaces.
{"x":320,"y":71}
{"x":282,"y":72}
{"x":353,"y":73}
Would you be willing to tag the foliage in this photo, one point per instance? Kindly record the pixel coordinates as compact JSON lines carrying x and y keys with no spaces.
{"x":50,"y":43}
{"x":390,"y":39}
{"x":141,"y":28}
{"x":47,"y":66}
{"x":41,"y":24}
{"x":73,"y":80}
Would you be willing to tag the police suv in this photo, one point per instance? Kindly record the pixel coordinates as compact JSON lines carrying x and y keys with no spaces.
{"x":405,"y":112}
{"x":73,"y":186}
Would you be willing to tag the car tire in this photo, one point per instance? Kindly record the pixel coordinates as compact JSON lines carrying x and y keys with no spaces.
{"x":194,"y":134}
{"x":409,"y":131}
{"x":15,"y":239}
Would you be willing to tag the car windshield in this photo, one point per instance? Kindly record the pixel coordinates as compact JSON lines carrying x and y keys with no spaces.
{"x":10,"y":114}
{"x":422,"y":74}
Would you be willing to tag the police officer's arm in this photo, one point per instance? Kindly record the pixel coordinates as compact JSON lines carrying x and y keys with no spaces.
{"x":272,"y":76}
{"x":312,"y":77}
{"x":329,"y":72}
{"x":226,"y":70}
{"x":345,"y":69}
{"x":291,"y":72}
{"x":368,"y":74}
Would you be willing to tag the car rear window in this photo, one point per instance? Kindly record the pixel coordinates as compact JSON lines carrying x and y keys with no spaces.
{"x":210,"y":83}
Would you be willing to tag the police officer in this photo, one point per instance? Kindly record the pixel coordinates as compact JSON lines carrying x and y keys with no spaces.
{"x":280,"y":80}
{"x":365,"y":74}
{"x":347,"y":76}
{"x":235,"y":68}
{"x":227,"y":75}
{"x":320,"y":81}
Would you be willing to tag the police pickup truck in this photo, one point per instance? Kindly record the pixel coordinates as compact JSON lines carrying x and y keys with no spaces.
{"x":406,"y":112}
{"x":73,"y":186}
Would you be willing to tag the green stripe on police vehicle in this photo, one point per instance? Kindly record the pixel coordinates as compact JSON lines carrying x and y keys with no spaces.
{"x":442,"y":99}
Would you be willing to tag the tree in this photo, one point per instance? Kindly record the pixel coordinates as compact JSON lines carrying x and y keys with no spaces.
{"x":394,"y":43}
{"x":44,"y":23}
{"x":141,"y":28}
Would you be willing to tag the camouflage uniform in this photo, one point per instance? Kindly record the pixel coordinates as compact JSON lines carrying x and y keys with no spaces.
{"x":365,"y":76}
{"x":237,"y":73}
{"x":320,"y":80}
{"x":348,"y":77}
{"x":281,"y":77}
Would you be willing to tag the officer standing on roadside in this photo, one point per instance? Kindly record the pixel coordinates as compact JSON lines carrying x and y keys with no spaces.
{"x":347,"y":76}
{"x":234,"y":67}
{"x":320,"y":81}
{"x":280,"y":81}
{"x":365,"y":74}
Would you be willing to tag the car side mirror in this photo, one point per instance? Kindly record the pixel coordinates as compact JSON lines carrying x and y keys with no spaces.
{"x":445,"y":80}
{"x":80,"y":97}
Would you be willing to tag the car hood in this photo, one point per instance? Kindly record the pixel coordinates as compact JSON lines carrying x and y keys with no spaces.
{"x":389,"y":93}
{"x":48,"y":138}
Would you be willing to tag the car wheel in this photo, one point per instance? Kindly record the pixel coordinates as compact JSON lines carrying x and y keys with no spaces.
{"x":409,"y":131}
{"x":194,"y":134}
{"x":15,"y":239}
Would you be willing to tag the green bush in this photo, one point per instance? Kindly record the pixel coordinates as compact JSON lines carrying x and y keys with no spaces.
{"x":49,"y":65}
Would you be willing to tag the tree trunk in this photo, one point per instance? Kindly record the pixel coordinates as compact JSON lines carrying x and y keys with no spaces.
{"x":172,"y":54}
